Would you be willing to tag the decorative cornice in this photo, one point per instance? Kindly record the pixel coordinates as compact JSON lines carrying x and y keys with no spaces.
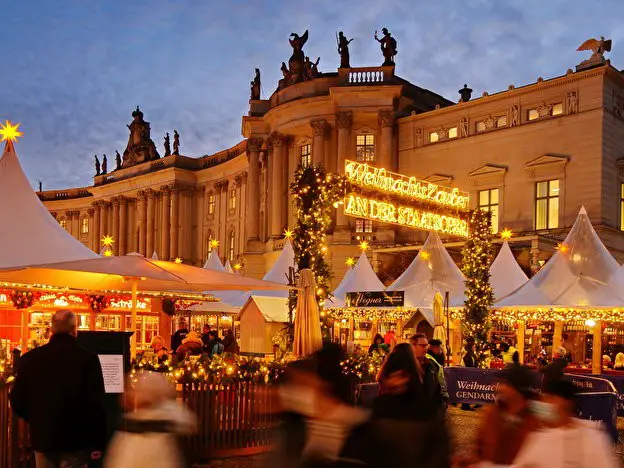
{"x":344,"y":119}
{"x":72,"y":213}
{"x":276,"y":140}
{"x":240,"y":179}
{"x":90,"y":211}
{"x":254,"y":144}
{"x":221,"y":185}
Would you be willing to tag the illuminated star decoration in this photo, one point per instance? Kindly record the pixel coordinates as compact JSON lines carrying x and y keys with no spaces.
{"x":562,"y":247}
{"x":424,"y":255}
{"x":350,"y":261}
{"x":9,"y":132}
{"x":288,"y":234}
{"x":178,"y":260}
{"x":108,"y":253}
{"x":214,"y":243}
{"x":237,"y":266}
{"x":364,"y":246}
{"x":506,"y":234}
{"x":108,"y":241}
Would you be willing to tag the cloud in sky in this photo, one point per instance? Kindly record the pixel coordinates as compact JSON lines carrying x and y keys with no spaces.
{"x":77,"y":69}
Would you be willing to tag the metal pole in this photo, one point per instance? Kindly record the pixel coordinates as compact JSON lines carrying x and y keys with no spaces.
{"x":133,"y":338}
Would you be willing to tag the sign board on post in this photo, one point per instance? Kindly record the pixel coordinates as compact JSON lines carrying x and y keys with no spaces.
{"x":375,"y":299}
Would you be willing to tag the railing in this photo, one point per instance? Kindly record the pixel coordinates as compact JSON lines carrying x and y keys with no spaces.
{"x":233,"y":420}
{"x":366,"y":75}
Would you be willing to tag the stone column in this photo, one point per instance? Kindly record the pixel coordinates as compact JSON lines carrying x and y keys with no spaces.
{"x":115,"y":233}
{"x":123,"y":226}
{"x":277,"y":186}
{"x":320,"y":128}
{"x":150,"y":222}
{"x":91,"y":213}
{"x":222,"y":187}
{"x":104,"y":219}
{"x":344,"y":122}
{"x":175,"y":222}
{"x":252,"y":220}
{"x":386,"y":124}
{"x":166,"y":223}
{"x":141,"y":221}
{"x":95,"y":241}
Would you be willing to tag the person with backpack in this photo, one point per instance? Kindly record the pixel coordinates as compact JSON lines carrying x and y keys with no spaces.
{"x":215,"y":346}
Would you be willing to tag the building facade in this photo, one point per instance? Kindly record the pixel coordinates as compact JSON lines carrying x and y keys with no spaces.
{"x":531,"y":155}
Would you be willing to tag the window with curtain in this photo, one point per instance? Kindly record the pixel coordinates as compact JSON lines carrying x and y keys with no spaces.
{"x":233,"y":199}
{"x":211,"y":204}
{"x":84,"y":227}
{"x":305,"y":155}
{"x":547,"y":204}
{"x":365,"y":147}
{"x":231,"y":245}
{"x":489,"y":201}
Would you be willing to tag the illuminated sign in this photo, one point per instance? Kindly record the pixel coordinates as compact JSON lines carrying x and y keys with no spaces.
{"x":61,"y":300}
{"x":127,"y":304}
{"x":374,"y":178}
{"x":385,"y":212}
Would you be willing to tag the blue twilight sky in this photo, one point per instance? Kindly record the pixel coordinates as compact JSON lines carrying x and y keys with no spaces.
{"x":73,"y":70}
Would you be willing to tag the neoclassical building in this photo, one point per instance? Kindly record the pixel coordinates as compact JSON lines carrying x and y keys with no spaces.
{"x":532,"y":155}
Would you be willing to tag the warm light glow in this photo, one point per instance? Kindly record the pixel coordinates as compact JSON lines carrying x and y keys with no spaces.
{"x":9,"y":132}
{"x":369,"y":177}
{"x":424,"y":255}
{"x":108,"y":241}
{"x":350,"y":261}
{"x":562,"y":247}
{"x":108,"y":253}
{"x":506,"y":234}
{"x":237,"y":266}
{"x":288,"y":234}
{"x":214,"y":243}
{"x":590,"y":323}
{"x":178,"y":260}
{"x":364,"y":245}
{"x":386,"y":212}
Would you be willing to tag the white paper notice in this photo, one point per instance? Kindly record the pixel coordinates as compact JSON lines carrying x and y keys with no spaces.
{"x":112,"y":370}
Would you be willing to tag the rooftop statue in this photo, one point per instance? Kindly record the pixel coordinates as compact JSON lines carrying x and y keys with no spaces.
{"x":388,"y":47}
{"x":97,"y":166}
{"x":343,"y":50}
{"x":167,"y":145}
{"x":117,"y":160}
{"x":598,"y":47}
{"x":140,"y":147}
{"x":176,"y":142}
{"x":255,"y":86}
{"x":297,"y":59}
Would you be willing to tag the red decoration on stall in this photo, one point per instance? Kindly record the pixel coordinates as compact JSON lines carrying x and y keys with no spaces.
{"x":98,"y":303}
{"x":23,"y":299}
{"x":169,"y":306}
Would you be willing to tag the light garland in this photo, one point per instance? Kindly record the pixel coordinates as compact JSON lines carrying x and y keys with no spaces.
{"x":559,"y":314}
{"x":476,"y":259}
{"x":369,"y":314}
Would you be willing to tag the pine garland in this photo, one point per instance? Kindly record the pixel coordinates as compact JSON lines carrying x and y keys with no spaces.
{"x":315,"y":193}
{"x":477,"y":257}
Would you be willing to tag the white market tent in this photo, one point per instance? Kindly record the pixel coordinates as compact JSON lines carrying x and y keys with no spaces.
{"x":362,"y":278}
{"x":228,"y":267}
{"x":505,"y":274}
{"x":582,"y":274}
{"x":213,"y":262}
{"x":432,"y":271}
{"x":29,"y":234}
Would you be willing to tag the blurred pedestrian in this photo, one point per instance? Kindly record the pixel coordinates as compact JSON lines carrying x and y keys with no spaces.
{"x":390,"y":339}
{"x":59,"y":392}
{"x":160,"y":350}
{"x":436,"y":352}
{"x":619,"y":362}
{"x":205,"y":337}
{"x":179,"y":335}
{"x":555,"y":370}
{"x":436,"y":357}
{"x":230,"y":346}
{"x":470,"y":360}
{"x":378,"y":345}
{"x":215,"y":346}
{"x":506,"y":424}
{"x":564,"y":441}
{"x":191,"y":346}
{"x":408,"y":425}
{"x":149,"y":433}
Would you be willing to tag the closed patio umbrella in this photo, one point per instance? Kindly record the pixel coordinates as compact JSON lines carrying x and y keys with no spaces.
{"x":439,"y":332}
{"x":308,"y":337}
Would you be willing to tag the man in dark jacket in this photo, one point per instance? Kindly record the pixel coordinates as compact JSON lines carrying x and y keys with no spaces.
{"x":59,"y":392}
{"x":179,"y":335}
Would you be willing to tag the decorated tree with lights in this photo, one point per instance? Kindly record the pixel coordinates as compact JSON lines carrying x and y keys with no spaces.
{"x":477,"y":256}
{"x":315,"y":194}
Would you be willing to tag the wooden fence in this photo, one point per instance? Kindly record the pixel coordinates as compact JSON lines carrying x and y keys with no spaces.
{"x":233,"y":420}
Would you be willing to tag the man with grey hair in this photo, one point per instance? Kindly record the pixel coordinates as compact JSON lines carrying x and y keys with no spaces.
{"x":59,"y":392}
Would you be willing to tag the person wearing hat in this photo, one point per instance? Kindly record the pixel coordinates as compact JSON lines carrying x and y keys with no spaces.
{"x":564,"y":441}
{"x":179,"y":335}
{"x":191,"y":346}
{"x":507,"y":423}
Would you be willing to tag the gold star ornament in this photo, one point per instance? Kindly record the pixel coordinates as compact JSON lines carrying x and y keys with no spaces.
{"x":9,"y":132}
{"x":108,"y":240}
{"x":506,"y":234}
{"x":350,"y":261}
{"x":364,"y":245}
{"x":214,"y":243}
{"x":288,"y":234}
{"x":178,"y":260}
{"x":108,"y":253}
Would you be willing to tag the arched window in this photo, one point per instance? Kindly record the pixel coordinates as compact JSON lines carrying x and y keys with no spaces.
{"x":84,"y":226}
{"x":63,"y":223}
{"x":231,"y":245}
{"x":233,"y":199}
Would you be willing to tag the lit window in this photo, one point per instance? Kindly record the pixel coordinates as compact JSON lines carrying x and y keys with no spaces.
{"x":363,"y":225}
{"x":533,"y":114}
{"x":621,"y":207}
{"x":489,"y":201}
{"x":233,"y":199}
{"x":365,"y":148}
{"x":211,"y":203}
{"x":306,"y":155}
{"x":433,"y":137}
{"x":452,"y":132}
{"x":480,"y":127}
{"x":231,"y":246}
{"x":557,"y":109}
{"x":63,"y":223}
{"x":501,"y":121}
{"x":547,"y":204}
{"x":84,"y":227}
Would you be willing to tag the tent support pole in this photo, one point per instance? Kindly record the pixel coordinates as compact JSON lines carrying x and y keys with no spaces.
{"x":133,"y":338}
{"x":520,"y":336}
{"x":597,"y":348}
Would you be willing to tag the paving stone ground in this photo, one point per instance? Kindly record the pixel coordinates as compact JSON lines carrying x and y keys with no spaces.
{"x":462,"y":423}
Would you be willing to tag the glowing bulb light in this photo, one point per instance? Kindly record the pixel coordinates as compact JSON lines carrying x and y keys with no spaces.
{"x":506,"y":234}
{"x":9,"y":132}
{"x":178,"y":260}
